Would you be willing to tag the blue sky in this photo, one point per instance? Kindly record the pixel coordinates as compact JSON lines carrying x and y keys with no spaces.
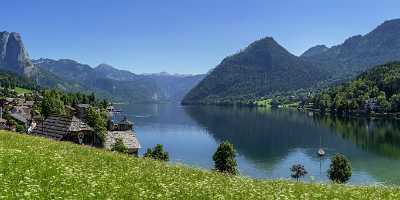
{"x":184,"y":36}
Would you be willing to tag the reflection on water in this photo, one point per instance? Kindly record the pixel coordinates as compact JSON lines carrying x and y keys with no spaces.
{"x":270,"y":141}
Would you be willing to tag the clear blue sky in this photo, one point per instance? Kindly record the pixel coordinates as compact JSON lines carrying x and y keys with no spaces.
{"x":183,"y":36}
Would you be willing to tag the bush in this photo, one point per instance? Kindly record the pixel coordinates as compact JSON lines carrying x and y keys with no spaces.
{"x":20,"y":128}
{"x":340,"y":169}
{"x":224,"y":159}
{"x":298,"y":171}
{"x":157,"y":153}
{"x":97,"y":121}
{"x":119,"y":146}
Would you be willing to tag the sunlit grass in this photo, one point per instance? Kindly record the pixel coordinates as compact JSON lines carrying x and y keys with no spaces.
{"x":19,"y":90}
{"x":37,"y":168}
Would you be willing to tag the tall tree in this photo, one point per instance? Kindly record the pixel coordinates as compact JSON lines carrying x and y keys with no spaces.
{"x":52,"y":103}
{"x":224,"y":158}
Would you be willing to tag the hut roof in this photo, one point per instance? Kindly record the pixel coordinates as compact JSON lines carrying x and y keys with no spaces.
{"x":20,"y":117}
{"x":83,"y":105}
{"x":28,"y":103}
{"x":57,"y":127}
{"x":125,"y":121}
{"x":128,"y":137}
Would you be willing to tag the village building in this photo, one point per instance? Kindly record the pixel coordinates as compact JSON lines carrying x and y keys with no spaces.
{"x":22,"y":114}
{"x":123,"y":130}
{"x":66,"y":128}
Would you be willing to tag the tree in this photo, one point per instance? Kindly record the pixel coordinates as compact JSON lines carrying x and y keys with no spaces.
{"x":224,"y":158}
{"x":97,"y":121}
{"x":157,"y":153}
{"x":298,"y":171}
{"x":119,"y":146}
{"x":340,"y":169}
{"x":51,"y":104}
{"x":385,"y":105}
{"x":395,"y":103}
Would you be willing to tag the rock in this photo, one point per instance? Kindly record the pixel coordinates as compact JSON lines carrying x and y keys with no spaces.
{"x":13,"y":55}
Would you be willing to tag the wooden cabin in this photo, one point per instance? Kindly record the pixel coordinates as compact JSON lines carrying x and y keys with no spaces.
{"x":66,"y":128}
{"x":123,"y":130}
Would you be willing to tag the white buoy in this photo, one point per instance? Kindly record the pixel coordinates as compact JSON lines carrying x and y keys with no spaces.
{"x":321,"y":152}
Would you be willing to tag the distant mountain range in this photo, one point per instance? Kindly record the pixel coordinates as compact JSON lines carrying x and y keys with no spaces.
{"x":105,"y":80}
{"x":359,"y":53}
{"x":265,"y":67}
{"x":120,"y":85}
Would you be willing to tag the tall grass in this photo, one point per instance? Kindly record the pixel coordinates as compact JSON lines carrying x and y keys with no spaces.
{"x":37,"y":168}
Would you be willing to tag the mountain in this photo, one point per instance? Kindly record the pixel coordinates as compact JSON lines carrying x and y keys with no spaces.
{"x":110,"y":72}
{"x":360,"y":52}
{"x":316,"y":50}
{"x":263,"y":68}
{"x":13,"y":55}
{"x":112,"y":83}
{"x":175,"y":86}
{"x":97,"y":80}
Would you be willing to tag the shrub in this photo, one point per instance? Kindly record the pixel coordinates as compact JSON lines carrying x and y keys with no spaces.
{"x":157,"y":153}
{"x":20,"y":128}
{"x":340,"y":169}
{"x":119,"y":146}
{"x":298,"y":171}
{"x":224,"y":159}
{"x":96,"y":120}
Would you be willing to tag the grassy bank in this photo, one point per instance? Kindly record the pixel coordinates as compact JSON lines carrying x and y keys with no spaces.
{"x":37,"y":168}
{"x":20,"y":90}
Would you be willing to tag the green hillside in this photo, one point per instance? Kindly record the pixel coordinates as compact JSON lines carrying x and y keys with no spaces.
{"x":260,"y":70}
{"x":37,"y":168}
{"x":376,"y":90}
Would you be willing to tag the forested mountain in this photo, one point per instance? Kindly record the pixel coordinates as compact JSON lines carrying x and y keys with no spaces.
{"x":359,"y":53}
{"x":263,"y":68}
{"x":377,"y":89}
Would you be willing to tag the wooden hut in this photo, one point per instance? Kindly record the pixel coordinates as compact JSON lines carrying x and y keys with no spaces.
{"x":66,"y":128}
{"x":123,"y":130}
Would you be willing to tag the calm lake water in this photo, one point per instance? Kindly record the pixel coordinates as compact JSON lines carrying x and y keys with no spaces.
{"x":269,"y":142}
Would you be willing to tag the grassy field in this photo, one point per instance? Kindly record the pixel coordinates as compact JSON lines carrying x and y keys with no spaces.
{"x":37,"y":168}
{"x":19,"y":90}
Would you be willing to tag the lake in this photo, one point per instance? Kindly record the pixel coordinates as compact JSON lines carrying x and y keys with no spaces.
{"x":269,"y":142}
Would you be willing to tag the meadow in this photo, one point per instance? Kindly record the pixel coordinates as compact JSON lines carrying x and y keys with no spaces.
{"x":38,"y":168}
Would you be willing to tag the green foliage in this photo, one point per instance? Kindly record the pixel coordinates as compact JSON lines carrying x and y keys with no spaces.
{"x":11,"y":80}
{"x":20,"y":128}
{"x":119,"y":146}
{"x":52,"y":103}
{"x":340,"y":169}
{"x":224,"y":158}
{"x":97,"y":120}
{"x":376,"y":90}
{"x":298,"y":171}
{"x":157,"y":153}
{"x":41,"y":163}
